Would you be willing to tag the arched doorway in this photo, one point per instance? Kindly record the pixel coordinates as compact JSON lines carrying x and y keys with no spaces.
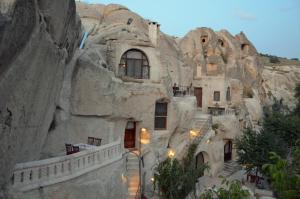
{"x":201,"y":159}
{"x":228,"y":150}
{"x":129,"y":138}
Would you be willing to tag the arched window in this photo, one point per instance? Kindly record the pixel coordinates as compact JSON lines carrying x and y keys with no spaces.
{"x":228,"y":94}
{"x":134,"y":63}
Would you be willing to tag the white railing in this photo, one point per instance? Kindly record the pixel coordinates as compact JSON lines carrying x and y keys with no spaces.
{"x":227,"y":112}
{"x":37,"y":174}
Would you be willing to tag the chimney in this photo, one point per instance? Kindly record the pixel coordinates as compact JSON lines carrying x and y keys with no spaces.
{"x":154,"y":33}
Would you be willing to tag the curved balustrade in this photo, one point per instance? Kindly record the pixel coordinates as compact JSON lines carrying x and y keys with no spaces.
{"x":204,"y":125}
{"x":37,"y":174}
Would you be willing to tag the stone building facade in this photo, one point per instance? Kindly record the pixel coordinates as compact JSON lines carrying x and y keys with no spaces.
{"x":139,"y":90}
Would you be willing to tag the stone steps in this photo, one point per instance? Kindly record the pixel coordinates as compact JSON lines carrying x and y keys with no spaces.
{"x":132,"y":175}
{"x":230,"y":167}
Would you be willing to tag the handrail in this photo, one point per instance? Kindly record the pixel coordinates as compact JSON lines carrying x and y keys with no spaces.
{"x":35,"y":174}
{"x":181,"y":91}
{"x":137,"y":192}
{"x":227,"y":112}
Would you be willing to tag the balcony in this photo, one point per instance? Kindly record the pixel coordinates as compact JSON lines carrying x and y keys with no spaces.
{"x":181,"y":91}
{"x":37,"y":174}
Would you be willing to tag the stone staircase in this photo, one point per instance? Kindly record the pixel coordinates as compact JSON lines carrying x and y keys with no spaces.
{"x":201,"y":122}
{"x":133,"y":175}
{"x":230,"y":167}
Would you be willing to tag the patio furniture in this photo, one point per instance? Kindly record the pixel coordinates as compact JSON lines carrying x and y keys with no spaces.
{"x":69,"y":149}
{"x":75,"y":149}
{"x":91,"y":140}
{"x":97,"y":141}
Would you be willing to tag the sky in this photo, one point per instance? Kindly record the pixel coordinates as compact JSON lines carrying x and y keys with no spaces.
{"x":273,"y":26}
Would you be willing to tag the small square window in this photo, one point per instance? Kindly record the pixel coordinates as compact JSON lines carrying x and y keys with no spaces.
{"x":217,"y":96}
{"x":161,"y":114}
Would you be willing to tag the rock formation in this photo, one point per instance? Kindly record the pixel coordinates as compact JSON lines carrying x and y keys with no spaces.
{"x":37,"y":38}
{"x":53,"y":93}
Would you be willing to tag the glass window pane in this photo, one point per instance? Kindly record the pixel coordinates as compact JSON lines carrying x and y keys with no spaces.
{"x":160,"y":123}
{"x":145,"y":72}
{"x":138,"y":68}
{"x":161,"y":109}
{"x":130,"y":68}
{"x":217,"y":96}
{"x":145,"y":62}
{"x":134,"y":54}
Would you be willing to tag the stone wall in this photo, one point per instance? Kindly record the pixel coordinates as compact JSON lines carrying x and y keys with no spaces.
{"x":33,"y":54}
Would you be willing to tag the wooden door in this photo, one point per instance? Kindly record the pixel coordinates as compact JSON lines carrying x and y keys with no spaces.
{"x":198,"y":94}
{"x":129,"y":138}
{"x":227,"y":151}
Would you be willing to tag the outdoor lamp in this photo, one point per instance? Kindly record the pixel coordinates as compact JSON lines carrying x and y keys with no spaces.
{"x":193,"y":133}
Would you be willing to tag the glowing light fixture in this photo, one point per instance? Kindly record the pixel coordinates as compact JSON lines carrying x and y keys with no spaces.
{"x":144,"y":136}
{"x":152,"y":179}
{"x":193,"y":133}
{"x":171,"y":153}
{"x":208,"y":141}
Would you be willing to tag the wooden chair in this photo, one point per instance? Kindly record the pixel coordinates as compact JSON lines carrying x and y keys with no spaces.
{"x":97,"y":141}
{"x":91,"y":140}
{"x":69,"y":149}
{"x":75,"y":149}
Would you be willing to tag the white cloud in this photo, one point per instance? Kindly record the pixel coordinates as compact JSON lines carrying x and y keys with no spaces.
{"x":245,"y":16}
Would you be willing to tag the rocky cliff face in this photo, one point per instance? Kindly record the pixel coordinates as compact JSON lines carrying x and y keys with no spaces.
{"x":279,"y":83}
{"x":221,"y":54}
{"x":37,"y":38}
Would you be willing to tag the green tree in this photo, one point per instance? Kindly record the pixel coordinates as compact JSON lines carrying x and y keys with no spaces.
{"x":286,"y":127}
{"x":274,"y":59}
{"x":285,"y":176}
{"x":175,"y":179}
{"x":253,"y":148}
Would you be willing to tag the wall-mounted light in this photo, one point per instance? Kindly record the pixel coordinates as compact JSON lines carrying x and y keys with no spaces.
{"x":152,"y":179}
{"x":171,"y":153}
{"x":194,"y":133}
{"x":145,"y":136}
{"x":208,"y":141}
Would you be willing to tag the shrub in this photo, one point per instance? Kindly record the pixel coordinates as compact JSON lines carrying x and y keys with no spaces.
{"x":215,"y":126}
{"x":175,"y":179}
{"x":230,"y":190}
{"x":284,"y":175}
{"x":274,"y":60}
